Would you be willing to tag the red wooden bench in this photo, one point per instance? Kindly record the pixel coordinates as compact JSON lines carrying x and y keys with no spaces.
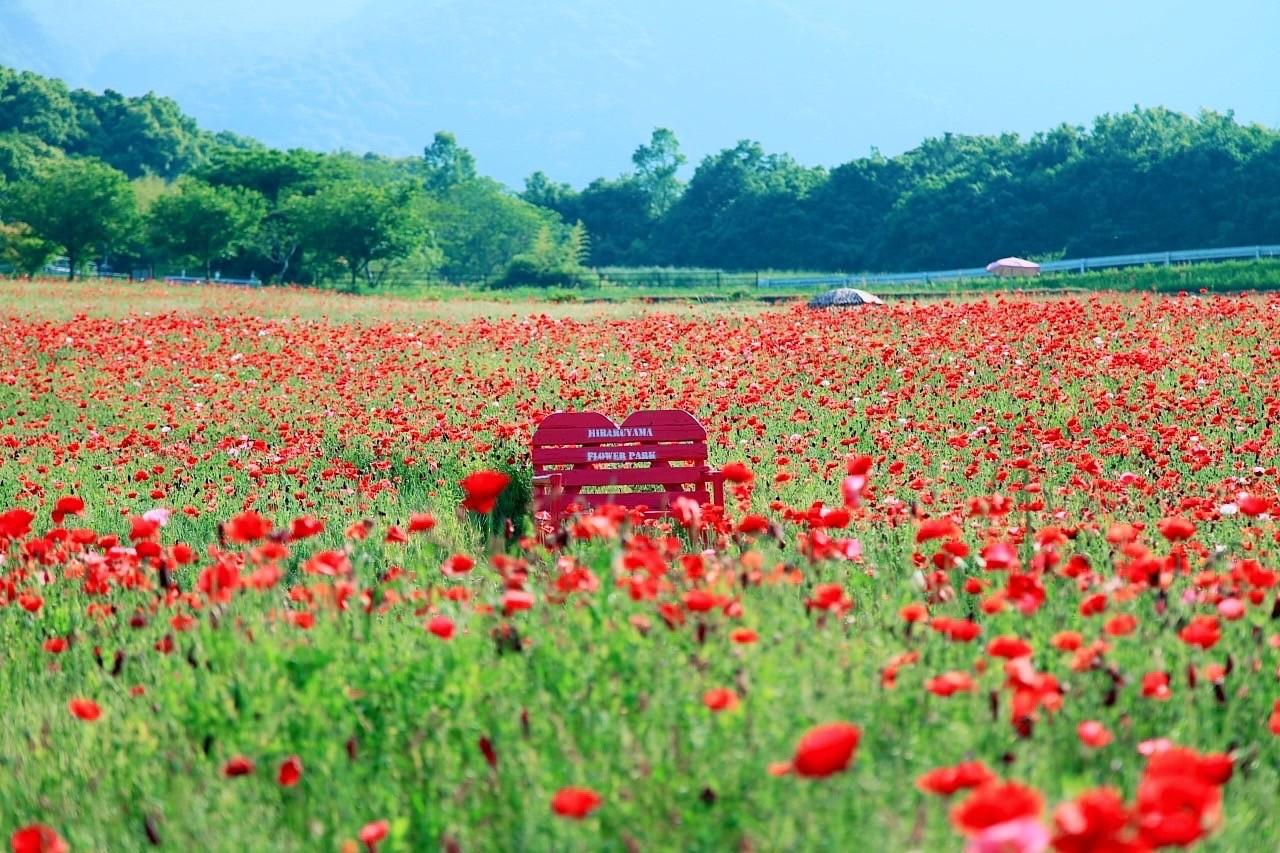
{"x":573,"y":451}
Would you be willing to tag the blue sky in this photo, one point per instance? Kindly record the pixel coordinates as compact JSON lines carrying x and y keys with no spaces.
{"x":572,"y":86}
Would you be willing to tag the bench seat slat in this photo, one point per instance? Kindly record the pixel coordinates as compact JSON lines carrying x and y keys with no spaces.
{"x":632,"y":476}
{"x":695,"y":452}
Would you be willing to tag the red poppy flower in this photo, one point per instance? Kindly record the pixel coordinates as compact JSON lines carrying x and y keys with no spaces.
{"x":305,"y":527}
{"x":995,"y":803}
{"x":1156,"y":685}
{"x":1008,"y":646}
{"x":949,"y":683}
{"x":1097,"y":820}
{"x":373,"y":833}
{"x":720,"y":699}
{"x":458,"y":564}
{"x":84,"y":709}
{"x":575,"y":803}
{"x":328,"y":563}
{"x":290,"y":772}
{"x":945,"y":781}
{"x":829,"y":597}
{"x":1252,"y":505}
{"x":237,"y":765}
{"x":247,"y":527}
{"x":1175,"y":805}
{"x":37,"y":838}
{"x":999,"y":556}
{"x":936,"y":528}
{"x":1176,"y":529}
{"x":69,"y":505}
{"x":1202,"y":631}
{"x":700,"y":601}
{"x":421,"y":522}
{"x":956,"y":630}
{"x":142,"y":528}
{"x":1121,"y":626}
{"x":737,"y":472}
{"x":515,"y":600}
{"x":441,"y":626}
{"x":1093,"y":734}
{"x":482,"y":490}
{"x":1067,"y":641}
{"x":826,"y":749}
{"x":15,"y":523}
{"x":914,"y":612}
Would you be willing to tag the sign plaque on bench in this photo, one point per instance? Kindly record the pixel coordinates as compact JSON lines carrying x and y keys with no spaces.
{"x":583,"y":460}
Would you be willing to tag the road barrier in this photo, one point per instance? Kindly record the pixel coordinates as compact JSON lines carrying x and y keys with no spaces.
{"x":1073,"y":265}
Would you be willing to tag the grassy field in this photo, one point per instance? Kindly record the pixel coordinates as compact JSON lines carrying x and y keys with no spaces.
{"x":1061,"y":565}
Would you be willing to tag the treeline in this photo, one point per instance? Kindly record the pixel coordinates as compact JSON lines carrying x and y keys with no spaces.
{"x":134,"y":184}
{"x":1147,"y":180}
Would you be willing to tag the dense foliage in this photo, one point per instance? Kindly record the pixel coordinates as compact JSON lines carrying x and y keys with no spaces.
{"x":1146,"y":180}
{"x":1003,"y":569}
{"x":221,"y":202}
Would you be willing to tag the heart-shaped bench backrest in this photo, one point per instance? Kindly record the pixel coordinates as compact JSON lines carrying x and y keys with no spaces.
{"x":591,"y":428}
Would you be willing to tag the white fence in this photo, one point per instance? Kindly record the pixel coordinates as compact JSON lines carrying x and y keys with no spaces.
{"x":1072,"y":265}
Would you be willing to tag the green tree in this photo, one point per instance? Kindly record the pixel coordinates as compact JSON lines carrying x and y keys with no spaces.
{"x":481,"y":228}
{"x":544,"y":192}
{"x":279,"y":176}
{"x":359,"y":227}
{"x":38,"y":106}
{"x":619,"y":216}
{"x":274,"y":174}
{"x":446,"y":164}
{"x":23,"y":249}
{"x":21,"y":155}
{"x":741,"y":210}
{"x":79,"y":205}
{"x":554,"y":259}
{"x":205,"y":223}
{"x":656,"y":165}
{"x":138,"y":136}
{"x":578,"y":245}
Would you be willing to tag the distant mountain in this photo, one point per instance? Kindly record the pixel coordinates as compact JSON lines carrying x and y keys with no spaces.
{"x":383,"y":78}
{"x":572,"y":86}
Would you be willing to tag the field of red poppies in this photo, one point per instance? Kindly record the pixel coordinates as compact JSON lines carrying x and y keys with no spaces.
{"x":996,"y":575}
